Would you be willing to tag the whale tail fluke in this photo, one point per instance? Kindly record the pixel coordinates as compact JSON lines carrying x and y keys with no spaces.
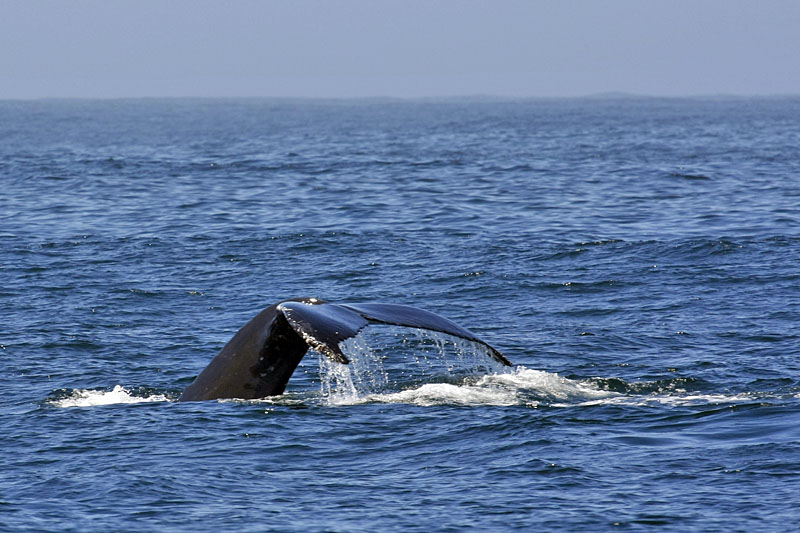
{"x":324,"y":325}
{"x":259,"y":360}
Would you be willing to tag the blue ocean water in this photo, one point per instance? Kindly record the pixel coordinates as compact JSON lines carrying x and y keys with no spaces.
{"x":636,"y":258}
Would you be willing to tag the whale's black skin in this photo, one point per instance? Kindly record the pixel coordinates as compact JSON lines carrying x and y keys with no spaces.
{"x":259,"y":360}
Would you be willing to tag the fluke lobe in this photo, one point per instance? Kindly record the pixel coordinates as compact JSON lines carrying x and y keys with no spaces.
{"x":259,"y":360}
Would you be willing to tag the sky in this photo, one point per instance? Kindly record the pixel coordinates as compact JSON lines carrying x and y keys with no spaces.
{"x":387,"y":48}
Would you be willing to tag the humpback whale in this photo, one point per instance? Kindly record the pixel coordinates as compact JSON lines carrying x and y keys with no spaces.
{"x":261,"y":357}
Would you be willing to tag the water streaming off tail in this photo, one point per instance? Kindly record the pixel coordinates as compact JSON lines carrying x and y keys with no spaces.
{"x":387,"y":360}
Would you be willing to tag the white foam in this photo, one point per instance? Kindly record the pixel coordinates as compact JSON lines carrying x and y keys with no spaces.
{"x":523,"y":386}
{"x":676,"y":399}
{"x":546,"y":385}
{"x":448,"y":394}
{"x":518,"y":386}
{"x":91,"y":398}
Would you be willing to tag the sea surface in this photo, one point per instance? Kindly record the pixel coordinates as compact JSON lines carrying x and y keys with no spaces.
{"x":637,"y":259}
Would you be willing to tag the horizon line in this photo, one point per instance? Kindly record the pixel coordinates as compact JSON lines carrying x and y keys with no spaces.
{"x":606,"y":95}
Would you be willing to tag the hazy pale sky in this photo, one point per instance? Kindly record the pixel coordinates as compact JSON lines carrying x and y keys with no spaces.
{"x":403,"y":48}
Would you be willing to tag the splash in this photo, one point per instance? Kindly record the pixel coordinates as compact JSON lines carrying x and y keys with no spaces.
{"x":427,"y":368}
{"x":520,"y":386}
{"x":448,"y":394}
{"x":392,"y":358}
{"x":91,"y":398}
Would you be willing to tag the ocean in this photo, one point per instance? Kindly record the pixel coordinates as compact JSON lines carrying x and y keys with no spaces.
{"x":635,"y":258}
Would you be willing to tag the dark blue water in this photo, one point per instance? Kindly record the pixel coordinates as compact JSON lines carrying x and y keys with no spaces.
{"x":637,"y":259}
